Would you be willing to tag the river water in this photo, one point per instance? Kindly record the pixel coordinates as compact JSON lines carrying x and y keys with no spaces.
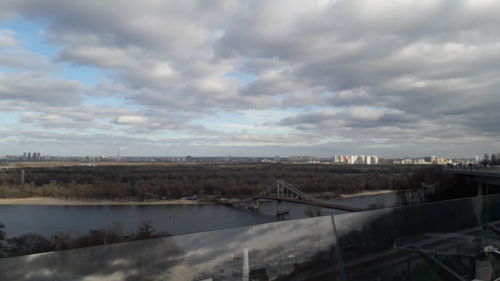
{"x":175,"y":219}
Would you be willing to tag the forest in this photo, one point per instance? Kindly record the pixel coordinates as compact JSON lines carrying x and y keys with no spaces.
{"x":151,"y":182}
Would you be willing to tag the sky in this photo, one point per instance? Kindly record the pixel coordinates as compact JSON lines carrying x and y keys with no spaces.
{"x":250,"y":78}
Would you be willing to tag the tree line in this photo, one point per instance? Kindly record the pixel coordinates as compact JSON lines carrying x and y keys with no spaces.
{"x":143,"y":182}
{"x":31,"y":243}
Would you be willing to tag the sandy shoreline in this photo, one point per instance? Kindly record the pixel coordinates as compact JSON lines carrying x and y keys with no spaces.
{"x":58,"y":201}
{"x":366,"y":193}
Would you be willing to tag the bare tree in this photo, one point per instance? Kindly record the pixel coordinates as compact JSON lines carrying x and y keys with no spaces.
{"x":312,"y":211}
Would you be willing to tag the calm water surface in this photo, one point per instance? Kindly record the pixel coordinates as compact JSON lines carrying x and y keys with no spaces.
{"x":175,"y":219}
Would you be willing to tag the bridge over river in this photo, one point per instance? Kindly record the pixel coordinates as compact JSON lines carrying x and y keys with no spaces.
{"x":282,"y":191}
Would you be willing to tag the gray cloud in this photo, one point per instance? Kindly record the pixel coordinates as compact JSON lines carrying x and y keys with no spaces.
{"x":353,"y":117}
{"x":39,"y":88}
{"x":24,"y":60}
{"x":410,"y":72}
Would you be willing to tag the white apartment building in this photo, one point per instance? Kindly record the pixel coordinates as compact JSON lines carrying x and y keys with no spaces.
{"x":355,"y":159}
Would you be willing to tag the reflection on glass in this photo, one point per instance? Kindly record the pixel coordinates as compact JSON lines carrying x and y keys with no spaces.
{"x":491,"y":228}
{"x":289,"y":250}
{"x":439,"y":241}
{"x":450,"y":240}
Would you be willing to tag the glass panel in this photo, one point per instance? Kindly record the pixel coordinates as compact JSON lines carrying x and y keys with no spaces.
{"x":427,"y":242}
{"x":289,"y":250}
{"x":491,"y":219}
{"x":450,"y":240}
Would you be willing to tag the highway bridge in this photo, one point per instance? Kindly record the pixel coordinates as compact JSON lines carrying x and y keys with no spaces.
{"x":485,"y":176}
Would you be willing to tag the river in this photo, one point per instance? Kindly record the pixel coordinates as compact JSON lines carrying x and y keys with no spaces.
{"x":175,"y":219}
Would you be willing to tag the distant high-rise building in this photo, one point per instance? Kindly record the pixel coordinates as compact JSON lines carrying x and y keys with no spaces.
{"x":352,"y":159}
{"x":486,"y":157}
{"x":407,"y":161}
{"x":356,"y":159}
{"x":304,"y":158}
{"x":371,"y":160}
{"x":360,"y":159}
{"x":337,"y":159}
{"x":477,"y":159}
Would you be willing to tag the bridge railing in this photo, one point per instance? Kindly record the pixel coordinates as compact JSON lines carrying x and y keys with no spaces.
{"x":287,"y":190}
{"x":432,"y":242}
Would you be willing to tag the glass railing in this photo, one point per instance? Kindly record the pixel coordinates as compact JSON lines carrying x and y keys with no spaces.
{"x":449,"y":240}
{"x":422,"y":242}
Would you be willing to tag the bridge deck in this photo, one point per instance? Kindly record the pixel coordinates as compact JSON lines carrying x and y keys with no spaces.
{"x":300,"y":201}
{"x":481,"y":175}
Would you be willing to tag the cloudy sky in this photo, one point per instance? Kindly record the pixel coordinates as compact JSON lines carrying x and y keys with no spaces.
{"x":251,"y":78}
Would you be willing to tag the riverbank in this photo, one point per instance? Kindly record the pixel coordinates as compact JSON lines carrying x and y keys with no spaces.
{"x":336,"y":196}
{"x":366,"y":193}
{"x":58,"y":201}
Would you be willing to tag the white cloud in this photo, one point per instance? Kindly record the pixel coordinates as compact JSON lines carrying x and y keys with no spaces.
{"x":131,"y":120}
{"x":7,"y":38}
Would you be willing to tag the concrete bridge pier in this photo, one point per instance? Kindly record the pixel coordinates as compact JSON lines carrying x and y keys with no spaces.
{"x":241,"y":203}
{"x":280,"y":210}
{"x":255,"y":204}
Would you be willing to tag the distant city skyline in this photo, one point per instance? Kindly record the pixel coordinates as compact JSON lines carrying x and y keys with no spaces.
{"x":338,"y":158}
{"x":258,"y":78}
{"x":28,"y":158}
